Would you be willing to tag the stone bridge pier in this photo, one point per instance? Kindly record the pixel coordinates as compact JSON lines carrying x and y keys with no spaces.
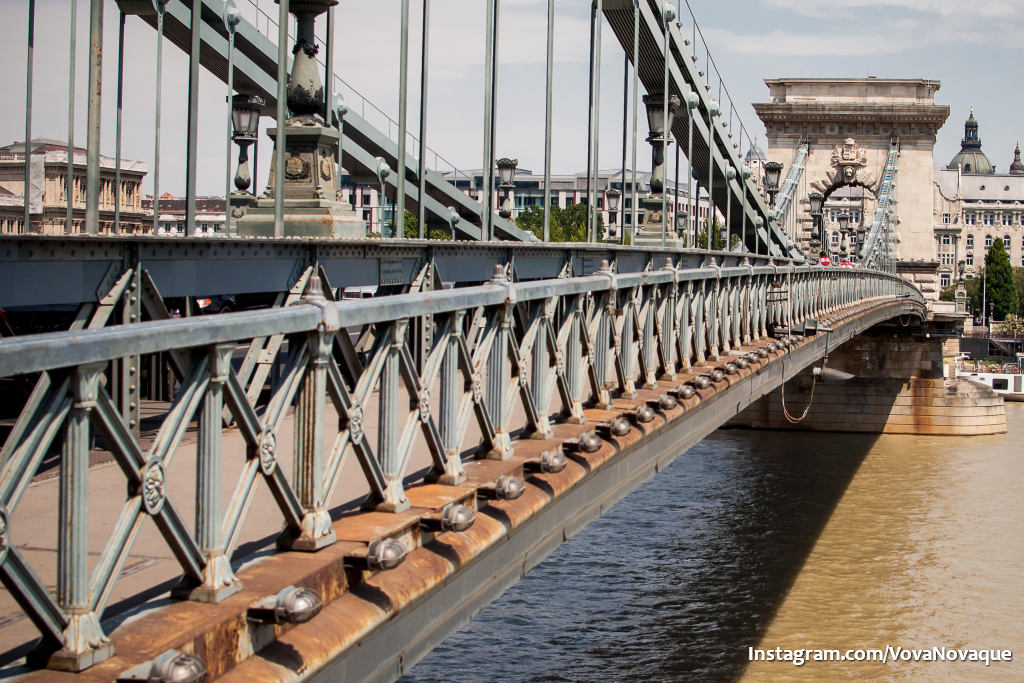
{"x":898,"y":388}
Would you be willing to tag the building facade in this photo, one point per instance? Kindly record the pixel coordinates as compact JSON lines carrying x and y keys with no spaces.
{"x":49,"y":190}
{"x":974,"y":206}
{"x":173,"y":220}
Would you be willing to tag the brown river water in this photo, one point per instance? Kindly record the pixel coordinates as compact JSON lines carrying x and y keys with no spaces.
{"x":755,"y":539}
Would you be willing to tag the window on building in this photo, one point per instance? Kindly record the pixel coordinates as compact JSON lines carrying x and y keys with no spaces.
{"x":970,"y":241}
{"x":989,"y":219}
{"x":946,"y":239}
{"x":970,"y":259}
{"x":1006,"y":242}
{"x":946,"y":218}
{"x":970,"y":218}
{"x":988,"y":241}
{"x":1007,"y":218}
{"x":944,"y":280}
{"x":947,"y":258}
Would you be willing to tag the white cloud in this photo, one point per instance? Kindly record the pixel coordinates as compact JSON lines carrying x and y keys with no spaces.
{"x":959,"y":8}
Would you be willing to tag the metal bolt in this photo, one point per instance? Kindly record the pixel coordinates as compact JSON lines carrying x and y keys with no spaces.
{"x":717,"y":375}
{"x":702,"y":381}
{"x":731,"y":369}
{"x":772,"y":347}
{"x":742,"y":362}
{"x":762,"y":352}
{"x":666,"y":402}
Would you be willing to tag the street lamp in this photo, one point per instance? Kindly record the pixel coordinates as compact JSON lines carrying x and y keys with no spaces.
{"x":817,"y":200}
{"x":683,"y":224}
{"x":659,"y":122}
{"x":772,"y":175}
{"x":844,"y":227}
{"x":383,"y":173}
{"x":612,"y":197}
{"x":506,"y":176}
{"x":245,"y":124}
{"x":961,"y":291}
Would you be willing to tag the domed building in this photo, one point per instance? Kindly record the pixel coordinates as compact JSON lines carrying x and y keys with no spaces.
{"x":975,"y":206}
{"x":970,"y":158}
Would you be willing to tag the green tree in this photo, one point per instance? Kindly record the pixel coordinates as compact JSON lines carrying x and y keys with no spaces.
{"x":718,"y":237}
{"x":1012,"y":325}
{"x":567,"y":225}
{"x":1000,"y":290}
{"x":1018,"y":281}
{"x":411,"y":229}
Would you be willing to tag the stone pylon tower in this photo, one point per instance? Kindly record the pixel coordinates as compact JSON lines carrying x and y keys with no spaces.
{"x":850,"y":124}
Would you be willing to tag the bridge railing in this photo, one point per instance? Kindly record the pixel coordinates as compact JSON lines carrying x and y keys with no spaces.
{"x":504,"y":359}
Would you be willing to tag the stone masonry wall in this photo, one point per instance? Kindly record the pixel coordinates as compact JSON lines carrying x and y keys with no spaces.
{"x":898,"y":389}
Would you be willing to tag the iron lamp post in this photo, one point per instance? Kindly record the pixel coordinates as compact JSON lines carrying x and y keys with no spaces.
{"x":844,"y":227}
{"x":245,"y":123}
{"x":659,"y":121}
{"x":817,"y":201}
{"x":613,"y":197}
{"x":383,"y":173}
{"x":772,"y":175}
{"x":961,"y":290}
{"x":506,"y":182}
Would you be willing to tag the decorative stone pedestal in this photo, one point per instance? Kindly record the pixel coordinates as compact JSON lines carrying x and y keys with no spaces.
{"x":649,"y":234}
{"x":311,"y":204}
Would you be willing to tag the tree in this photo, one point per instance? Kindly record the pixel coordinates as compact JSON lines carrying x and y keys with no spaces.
{"x":718,"y":237}
{"x":567,"y":225}
{"x":1013,"y":324}
{"x":411,"y":229}
{"x":1000,"y":290}
{"x":1018,"y":281}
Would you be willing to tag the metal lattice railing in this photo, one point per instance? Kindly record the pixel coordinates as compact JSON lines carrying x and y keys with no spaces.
{"x":502,"y":358}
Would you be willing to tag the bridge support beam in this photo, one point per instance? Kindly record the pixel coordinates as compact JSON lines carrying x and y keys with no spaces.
{"x":898,"y":388}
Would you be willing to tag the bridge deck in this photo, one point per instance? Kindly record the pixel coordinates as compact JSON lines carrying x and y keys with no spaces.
{"x":397,"y":616}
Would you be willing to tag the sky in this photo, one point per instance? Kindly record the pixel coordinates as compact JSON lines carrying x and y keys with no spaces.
{"x":973,"y":48}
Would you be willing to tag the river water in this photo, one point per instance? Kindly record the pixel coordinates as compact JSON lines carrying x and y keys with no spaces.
{"x":776,"y":539}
